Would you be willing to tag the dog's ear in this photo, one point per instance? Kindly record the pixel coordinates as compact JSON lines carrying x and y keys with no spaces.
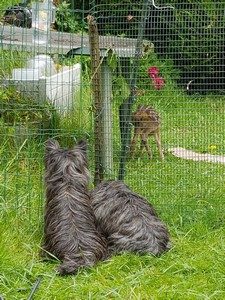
{"x":81,"y":145}
{"x":51,"y":144}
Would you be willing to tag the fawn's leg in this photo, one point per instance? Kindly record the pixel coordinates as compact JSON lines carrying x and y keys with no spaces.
{"x":158,"y":142}
{"x":144,"y":144}
{"x":134,"y":142}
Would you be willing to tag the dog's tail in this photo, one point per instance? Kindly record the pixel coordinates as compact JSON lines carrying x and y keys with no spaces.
{"x":70,"y":266}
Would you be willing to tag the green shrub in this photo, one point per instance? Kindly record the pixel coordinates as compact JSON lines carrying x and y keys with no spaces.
{"x":16,"y":108}
{"x":21,"y":117}
{"x":6,"y":3}
{"x":193,"y":36}
{"x":198,"y":39}
{"x":66,"y":20}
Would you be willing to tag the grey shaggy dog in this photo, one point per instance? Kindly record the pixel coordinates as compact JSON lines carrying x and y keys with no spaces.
{"x":127,"y":220}
{"x":70,"y":232}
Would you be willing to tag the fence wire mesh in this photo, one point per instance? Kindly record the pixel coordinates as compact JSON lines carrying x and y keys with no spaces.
{"x":142,"y":82}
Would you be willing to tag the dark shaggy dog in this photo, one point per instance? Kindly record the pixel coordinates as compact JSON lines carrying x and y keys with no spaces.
{"x":127,"y":220}
{"x":70,"y":232}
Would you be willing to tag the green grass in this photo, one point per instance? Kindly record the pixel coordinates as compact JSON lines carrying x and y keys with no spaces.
{"x":188,"y":195}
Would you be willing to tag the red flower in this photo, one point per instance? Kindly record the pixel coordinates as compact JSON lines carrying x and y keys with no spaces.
{"x":157,"y":81}
{"x":153,"y":72}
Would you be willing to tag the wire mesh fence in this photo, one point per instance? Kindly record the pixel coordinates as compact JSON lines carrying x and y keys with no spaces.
{"x":168,"y":57}
{"x":143,"y":82}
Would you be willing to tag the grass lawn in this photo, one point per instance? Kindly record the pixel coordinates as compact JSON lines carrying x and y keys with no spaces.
{"x":189,"y":197}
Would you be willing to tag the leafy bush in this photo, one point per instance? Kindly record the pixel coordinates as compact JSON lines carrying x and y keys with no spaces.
{"x":6,"y":3}
{"x":18,"y":109}
{"x":66,"y":20}
{"x":192,"y":35}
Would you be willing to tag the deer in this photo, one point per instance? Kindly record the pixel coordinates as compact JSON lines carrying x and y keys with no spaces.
{"x":146,"y":123}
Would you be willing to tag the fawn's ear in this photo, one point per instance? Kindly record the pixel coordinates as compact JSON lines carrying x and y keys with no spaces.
{"x":81,"y":146}
{"x":51,"y":144}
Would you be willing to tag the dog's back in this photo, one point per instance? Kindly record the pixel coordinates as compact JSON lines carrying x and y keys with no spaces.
{"x":128,"y":221}
{"x":70,"y":232}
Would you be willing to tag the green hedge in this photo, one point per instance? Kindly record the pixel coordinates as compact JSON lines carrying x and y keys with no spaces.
{"x":191,"y":34}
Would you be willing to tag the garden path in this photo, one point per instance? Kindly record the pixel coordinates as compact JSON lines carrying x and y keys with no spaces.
{"x":191,"y":155}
